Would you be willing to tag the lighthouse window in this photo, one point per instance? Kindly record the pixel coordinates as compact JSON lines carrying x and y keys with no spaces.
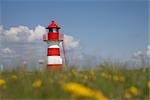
{"x":54,"y":30}
{"x":50,"y":30}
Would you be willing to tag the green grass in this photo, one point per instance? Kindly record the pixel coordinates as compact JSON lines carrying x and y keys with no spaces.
{"x":52,"y":83}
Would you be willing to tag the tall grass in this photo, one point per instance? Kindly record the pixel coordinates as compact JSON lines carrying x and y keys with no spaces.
{"x":113,"y":81}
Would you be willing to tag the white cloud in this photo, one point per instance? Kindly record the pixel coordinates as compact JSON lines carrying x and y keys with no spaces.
{"x":21,"y":34}
{"x":142,"y":57}
{"x":7,"y":51}
{"x":140,"y":53}
{"x":137,"y":54}
{"x":70,"y":42}
{"x":24,"y":34}
{"x":37,"y":33}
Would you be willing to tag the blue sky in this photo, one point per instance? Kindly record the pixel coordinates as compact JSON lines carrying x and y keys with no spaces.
{"x":116,"y":28}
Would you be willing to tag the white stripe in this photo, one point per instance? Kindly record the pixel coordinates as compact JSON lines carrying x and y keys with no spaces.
{"x":53,"y":46}
{"x":54,"y":60}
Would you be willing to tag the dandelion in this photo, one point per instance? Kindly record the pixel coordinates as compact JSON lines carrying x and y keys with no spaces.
{"x":118,"y":78}
{"x":134,"y":90}
{"x":92,"y":72}
{"x":37,"y":84}
{"x":14,"y":77}
{"x":2,"y":83}
{"x":91,"y":75}
{"x":84,"y":76}
{"x":74,"y":72}
{"x":99,"y":96}
{"x":127,"y":95}
{"x":115,"y":78}
{"x":122,"y":78}
{"x":107,"y":76}
{"x":103,"y":74}
{"x":80,"y":90}
{"x":148,"y":84}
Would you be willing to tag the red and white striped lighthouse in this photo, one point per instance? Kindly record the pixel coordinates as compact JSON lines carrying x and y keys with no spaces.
{"x":53,"y":39}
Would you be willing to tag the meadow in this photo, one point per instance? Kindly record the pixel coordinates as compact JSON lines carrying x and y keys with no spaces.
{"x":105,"y":82}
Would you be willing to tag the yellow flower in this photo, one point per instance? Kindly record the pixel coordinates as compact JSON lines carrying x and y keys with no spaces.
{"x":99,"y":96}
{"x":118,"y":78}
{"x":37,"y":84}
{"x":84,"y":76}
{"x":2,"y":83}
{"x":14,"y":77}
{"x":127,"y":95}
{"x":122,"y":78}
{"x":74,"y":72}
{"x":148,"y":84}
{"x":80,"y":90}
{"x":115,"y":78}
{"x":92,"y":72}
{"x":103,"y":74}
{"x":134,"y":90}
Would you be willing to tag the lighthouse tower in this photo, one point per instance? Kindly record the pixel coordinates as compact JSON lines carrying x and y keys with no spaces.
{"x":53,"y":40}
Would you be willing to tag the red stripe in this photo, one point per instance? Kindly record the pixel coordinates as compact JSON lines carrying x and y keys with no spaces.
{"x":54,"y":66}
{"x":53,"y":36}
{"x":53,"y":52}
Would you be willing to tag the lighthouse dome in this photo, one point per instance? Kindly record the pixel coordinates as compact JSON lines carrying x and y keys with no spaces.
{"x":53,"y":25}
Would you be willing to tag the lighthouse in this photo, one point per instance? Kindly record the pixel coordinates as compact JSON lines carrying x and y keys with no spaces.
{"x":53,"y":39}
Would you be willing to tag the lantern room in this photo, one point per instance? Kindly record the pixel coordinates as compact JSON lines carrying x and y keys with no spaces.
{"x":53,"y":32}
